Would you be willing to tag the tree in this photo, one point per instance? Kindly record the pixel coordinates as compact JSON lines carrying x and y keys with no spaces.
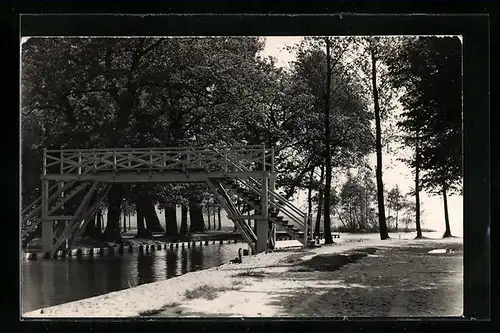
{"x":328,"y":152}
{"x":218,"y":218}
{"x":396,"y":201}
{"x":134,"y":92}
{"x":351,"y":199}
{"x":353,"y":204}
{"x":334,"y":129}
{"x":375,"y":48}
{"x":428,"y":69}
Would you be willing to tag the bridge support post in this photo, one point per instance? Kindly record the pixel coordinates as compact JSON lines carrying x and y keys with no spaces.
{"x":272,"y":187}
{"x":47,"y":225}
{"x":262,"y":224}
{"x":262,"y":235}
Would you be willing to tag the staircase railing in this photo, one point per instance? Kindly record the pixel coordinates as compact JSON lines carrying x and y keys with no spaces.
{"x":232,"y":210}
{"x":277,"y":201}
{"x":286,"y":207}
{"x":289,"y":210}
{"x":38,"y":202}
{"x":82,"y":218}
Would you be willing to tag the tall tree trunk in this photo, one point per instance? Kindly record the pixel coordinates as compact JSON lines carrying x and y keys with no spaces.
{"x":91,"y":229}
{"x":184,"y":216}
{"x":219,"y":219}
{"x":196,"y":216}
{"x":447,"y":232}
{"x":378,"y":146}
{"x":417,"y":185}
{"x":124,"y":101}
{"x":309,"y":193}
{"x":366,"y":209}
{"x":152,"y":221}
{"x":328,"y":152}
{"x":351,"y":224}
{"x":113,"y":230}
{"x":98,"y":217}
{"x":214,"y":213}
{"x":397,"y":213}
{"x":124,"y":221}
{"x":320,"y":202}
{"x":389,"y":217}
{"x":171,"y":221}
{"x":141,"y":228}
{"x":208,"y":218}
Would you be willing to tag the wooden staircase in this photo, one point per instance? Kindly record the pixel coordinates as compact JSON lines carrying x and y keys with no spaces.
{"x":62,"y":199}
{"x":281,"y":212}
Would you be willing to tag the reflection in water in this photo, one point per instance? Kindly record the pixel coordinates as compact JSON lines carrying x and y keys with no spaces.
{"x":171,"y":264}
{"x":184,"y":261}
{"x":113,"y":269}
{"x":52,"y":282}
{"x":145,"y":268}
{"x":196,"y":259}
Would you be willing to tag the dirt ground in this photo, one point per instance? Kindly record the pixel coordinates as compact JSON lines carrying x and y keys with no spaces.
{"x":381,"y":282}
{"x":392,"y":282}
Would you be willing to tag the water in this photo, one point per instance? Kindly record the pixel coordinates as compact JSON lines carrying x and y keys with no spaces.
{"x":52,"y":282}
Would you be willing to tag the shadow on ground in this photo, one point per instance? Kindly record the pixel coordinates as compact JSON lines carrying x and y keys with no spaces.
{"x":385,"y":281}
{"x":397,"y":282}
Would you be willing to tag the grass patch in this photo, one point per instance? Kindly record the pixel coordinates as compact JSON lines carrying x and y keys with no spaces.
{"x":149,"y":313}
{"x":240,"y":283}
{"x":251,"y":273}
{"x":329,"y":262}
{"x":296,"y":257}
{"x":368,"y":250}
{"x":208,"y":292}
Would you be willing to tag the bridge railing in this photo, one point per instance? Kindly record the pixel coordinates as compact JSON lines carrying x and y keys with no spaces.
{"x":220,"y":159}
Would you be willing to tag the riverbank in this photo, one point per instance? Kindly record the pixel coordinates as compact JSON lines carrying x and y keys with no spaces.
{"x":86,"y":245}
{"x":360,"y":278}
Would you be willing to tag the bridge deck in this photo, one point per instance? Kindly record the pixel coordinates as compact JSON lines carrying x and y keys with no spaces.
{"x":181,"y":160}
{"x":167,"y":176}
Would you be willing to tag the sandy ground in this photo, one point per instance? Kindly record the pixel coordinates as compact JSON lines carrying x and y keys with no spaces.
{"x":391,"y":278}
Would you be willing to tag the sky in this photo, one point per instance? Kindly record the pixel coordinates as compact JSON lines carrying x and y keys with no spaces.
{"x":394,"y":172}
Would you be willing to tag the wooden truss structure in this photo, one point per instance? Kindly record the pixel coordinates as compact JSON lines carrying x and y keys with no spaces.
{"x":76,"y":182}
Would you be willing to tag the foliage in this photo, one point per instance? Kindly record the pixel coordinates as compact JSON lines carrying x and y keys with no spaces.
{"x":355,"y":205}
{"x":155,"y":92}
{"x":351,"y":137}
{"x":428,"y":71}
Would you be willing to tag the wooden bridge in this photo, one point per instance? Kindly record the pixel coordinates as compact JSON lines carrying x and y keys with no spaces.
{"x":245,"y":172}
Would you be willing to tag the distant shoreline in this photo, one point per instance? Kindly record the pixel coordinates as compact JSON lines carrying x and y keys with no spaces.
{"x":391,"y":230}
